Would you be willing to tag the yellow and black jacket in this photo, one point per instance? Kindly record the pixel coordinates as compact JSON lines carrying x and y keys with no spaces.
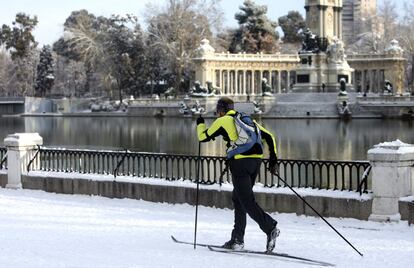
{"x":226,"y":127}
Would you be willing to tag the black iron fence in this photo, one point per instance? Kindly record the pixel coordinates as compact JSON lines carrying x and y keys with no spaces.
{"x":335,"y":175}
{"x":3,"y":158}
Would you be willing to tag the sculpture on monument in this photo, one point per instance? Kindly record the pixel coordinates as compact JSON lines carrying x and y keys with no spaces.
{"x":388,"y":87}
{"x":336,"y":52}
{"x":199,"y":91}
{"x":310,"y":42}
{"x":322,"y":56}
{"x":266,"y":88}
{"x":342,"y":87}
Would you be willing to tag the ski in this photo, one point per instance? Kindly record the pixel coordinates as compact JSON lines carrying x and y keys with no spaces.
{"x":274,"y":254}
{"x":197,"y":244}
{"x":217,"y":248}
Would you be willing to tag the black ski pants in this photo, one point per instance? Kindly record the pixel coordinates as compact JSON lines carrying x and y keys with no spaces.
{"x":244,"y":173}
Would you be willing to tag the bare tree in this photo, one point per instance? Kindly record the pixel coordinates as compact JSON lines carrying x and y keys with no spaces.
{"x":177,"y":28}
{"x":389,"y":20}
{"x":406,"y":38}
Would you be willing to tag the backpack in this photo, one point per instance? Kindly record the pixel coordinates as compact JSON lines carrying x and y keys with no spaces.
{"x":248,"y":135}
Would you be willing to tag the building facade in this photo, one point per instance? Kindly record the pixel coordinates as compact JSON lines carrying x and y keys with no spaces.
{"x":358,"y":16}
{"x":246,"y":74}
{"x":242,"y":74}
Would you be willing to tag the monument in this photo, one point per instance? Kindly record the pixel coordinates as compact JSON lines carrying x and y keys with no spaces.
{"x":323,"y":61}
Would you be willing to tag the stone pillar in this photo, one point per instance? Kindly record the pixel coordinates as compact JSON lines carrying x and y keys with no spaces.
{"x":279,"y":81}
{"x":271,"y":79}
{"x":321,"y":22}
{"x":363,"y":87}
{"x":354,"y":80}
{"x":236,"y":87}
{"x":228,"y":82}
{"x":221,"y":85}
{"x":340,"y":24}
{"x":253,"y":82}
{"x":288,"y":80}
{"x":21,"y":148}
{"x":392,"y":178}
{"x":370,"y":76}
{"x":379,"y":81}
{"x":244,"y":82}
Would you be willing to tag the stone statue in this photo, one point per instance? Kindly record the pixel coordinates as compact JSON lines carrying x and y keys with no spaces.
{"x":388,"y":87}
{"x":170,"y":93}
{"x":197,"y":108}
{"x":336,"y":51}
{"x":394,"y":48}
{"x":310,"y":42}
{"x":342,"y":87}
{"x":198,"y":88}
{"x":205,"y":49}
{"x":266,"y":88}
{"x":343,"y":109}
{"x":211,"y":89}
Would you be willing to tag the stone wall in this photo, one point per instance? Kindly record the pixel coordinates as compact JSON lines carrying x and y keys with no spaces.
{"x":209,"y":196}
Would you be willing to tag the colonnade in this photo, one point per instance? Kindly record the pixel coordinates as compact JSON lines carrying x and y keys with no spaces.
{"x":249,"y":82}
{"x":369,"y":80}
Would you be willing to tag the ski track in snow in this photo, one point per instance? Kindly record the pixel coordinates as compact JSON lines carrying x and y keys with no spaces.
{"x":41,"y":229}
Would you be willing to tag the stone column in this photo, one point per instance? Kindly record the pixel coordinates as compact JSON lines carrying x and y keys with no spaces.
{"x":228,"y":81}
{"x":253,"y":83}
{"x":244,"y":82}
{"x":379,"y":81}
{"x":363,"y":81}
{"x":340,"y":23}
{"x":288,"y":80}
{"x":321,"y":22}
{"x":221,"y":85}
{"x":392,"y":178}
{"x":21,"y":148}
{"x":236,"y":82}
{"x":271,"y":79}
{"x":370,"y":76}
{"x":279,"y":81}
{"x":354,"y":81}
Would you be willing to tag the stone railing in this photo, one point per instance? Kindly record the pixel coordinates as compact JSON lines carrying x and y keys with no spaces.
{"x":392,"y":165}
{"x":252,"y":57}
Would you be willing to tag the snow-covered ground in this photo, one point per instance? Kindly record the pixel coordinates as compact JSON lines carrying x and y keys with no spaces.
{"x":41,"y":229}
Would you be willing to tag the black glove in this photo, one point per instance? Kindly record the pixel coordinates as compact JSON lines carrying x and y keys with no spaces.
{"x":200,"y":120}
{"x":273,"y":166}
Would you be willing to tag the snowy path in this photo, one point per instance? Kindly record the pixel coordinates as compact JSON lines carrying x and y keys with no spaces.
{"x":47,"y":230}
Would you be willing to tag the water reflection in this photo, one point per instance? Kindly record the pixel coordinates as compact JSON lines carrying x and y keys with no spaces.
{"x":297,"y":139}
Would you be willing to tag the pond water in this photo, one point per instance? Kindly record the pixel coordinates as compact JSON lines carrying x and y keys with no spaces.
{"x":324,"y":139}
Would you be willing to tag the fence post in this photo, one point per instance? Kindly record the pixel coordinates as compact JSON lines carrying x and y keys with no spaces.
{"x":392,"y":178}
{"x":21,"y":148}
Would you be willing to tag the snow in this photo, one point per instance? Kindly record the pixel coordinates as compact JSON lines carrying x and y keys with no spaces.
{"x":49,"y":230}
{"x":396,"y":143}
{"x":392,"y":147}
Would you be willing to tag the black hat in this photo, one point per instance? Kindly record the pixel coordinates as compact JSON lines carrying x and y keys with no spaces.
{"x":224,"y":104}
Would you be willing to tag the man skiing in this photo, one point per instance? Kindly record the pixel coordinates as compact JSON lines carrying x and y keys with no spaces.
{"x":244,"y":161}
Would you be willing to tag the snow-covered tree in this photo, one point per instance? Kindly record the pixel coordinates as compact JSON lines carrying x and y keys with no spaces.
{"x":110,"y":48}
{"x":21,"y":44}
{"x":45,"y":75}
{"x":292,"y":25}
{"x":256,"y":32}
{"x":70,"y":77}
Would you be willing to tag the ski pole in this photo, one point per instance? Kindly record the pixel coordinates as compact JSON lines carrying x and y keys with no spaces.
{"x":314,"y":210}
{"x":197,"y":191}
